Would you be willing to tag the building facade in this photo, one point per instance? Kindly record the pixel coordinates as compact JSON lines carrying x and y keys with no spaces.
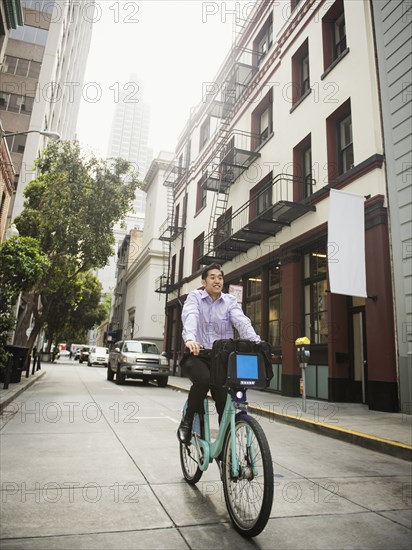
{"x":393,"y":28}
{"x":144,"y":313}
{"x":11,"y":16}
{"x":42,"y":81}
{"x":293,"y":113}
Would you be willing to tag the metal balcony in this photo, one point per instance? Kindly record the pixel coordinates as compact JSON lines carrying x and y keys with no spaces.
{"x":261,"y":217}
{"x":162,"y":284}
{"x":170,"y":229}
{"x":234,"y":155}
{"x":239,"y":78}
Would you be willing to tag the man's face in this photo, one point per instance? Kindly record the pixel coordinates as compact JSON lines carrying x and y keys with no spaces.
{"x":213,"y":283}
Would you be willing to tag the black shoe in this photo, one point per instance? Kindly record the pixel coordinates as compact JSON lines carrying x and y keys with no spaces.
{"x":184,"y":431}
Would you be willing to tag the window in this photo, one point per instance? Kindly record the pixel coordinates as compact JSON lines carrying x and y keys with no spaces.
{"x":16,"y":144}
{"x":254,"y":301}
{"x":345,"y":144}
{"x":264,"y":125}
{"x":262,"y":121}
{"x":260,"y":197}
{"x":201,"y":196}
{"x":181,"y":263}
{"x":263,"y":41}
{"x":340,"y":141}
{"x":304,"y":84}
{"x":275,"y":300}
{"x":315,"y":295}
{"x":204,"y":133}
{"x":16,"y":103}
{"x":334,"y":34}
{"x":339,"y":36}
{"x":300,"y":72}
{"x":302,"y":169}
{"x":173,"y":270}
{"x":184,"y":214}
{"x":198,"y":251}
{"x":223,"y":228}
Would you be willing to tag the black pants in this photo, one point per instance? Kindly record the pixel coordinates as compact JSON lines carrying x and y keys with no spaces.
{"x":198,"y":370}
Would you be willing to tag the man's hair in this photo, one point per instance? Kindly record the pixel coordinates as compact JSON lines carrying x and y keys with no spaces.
{"x":209,"y":268}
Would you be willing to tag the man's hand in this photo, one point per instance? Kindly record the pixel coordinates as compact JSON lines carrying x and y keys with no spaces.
{"x":193,"y":347}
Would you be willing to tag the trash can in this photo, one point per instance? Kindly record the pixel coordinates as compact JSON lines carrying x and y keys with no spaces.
{"x":19,"y":354}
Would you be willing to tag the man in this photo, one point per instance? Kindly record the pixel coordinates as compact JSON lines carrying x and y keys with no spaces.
{"x":208,"y":315}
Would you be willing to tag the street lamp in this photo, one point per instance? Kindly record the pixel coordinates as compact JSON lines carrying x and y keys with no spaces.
{"x":51,"y":135}
{"x":12,"y":231}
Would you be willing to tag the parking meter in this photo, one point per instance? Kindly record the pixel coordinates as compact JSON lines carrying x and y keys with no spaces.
{"x":303,"y":355}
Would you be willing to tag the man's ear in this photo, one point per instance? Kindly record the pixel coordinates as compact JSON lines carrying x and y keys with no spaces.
{"x":203,"y":282}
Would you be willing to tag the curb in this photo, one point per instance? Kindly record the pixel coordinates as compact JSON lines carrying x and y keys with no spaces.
{"x":373,"y":443}
{"x":15,"y":392}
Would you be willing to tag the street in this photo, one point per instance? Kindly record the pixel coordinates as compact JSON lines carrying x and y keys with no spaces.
{"x":87,"y":464}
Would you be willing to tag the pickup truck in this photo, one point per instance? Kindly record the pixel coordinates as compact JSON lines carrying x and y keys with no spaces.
{"x":139,"y":360}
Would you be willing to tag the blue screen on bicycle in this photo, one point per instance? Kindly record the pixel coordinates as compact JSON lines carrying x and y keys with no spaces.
{"x":247,"y":366}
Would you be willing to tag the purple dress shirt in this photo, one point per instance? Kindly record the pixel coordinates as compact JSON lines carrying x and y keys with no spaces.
{"x":205,"y":320}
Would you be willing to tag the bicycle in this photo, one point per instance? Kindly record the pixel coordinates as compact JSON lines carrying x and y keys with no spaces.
{"x":247,"y":470}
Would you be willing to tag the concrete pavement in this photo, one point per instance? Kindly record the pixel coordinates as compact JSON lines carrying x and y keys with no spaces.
{"x":87,"y":464}
{"x":390,"y":433}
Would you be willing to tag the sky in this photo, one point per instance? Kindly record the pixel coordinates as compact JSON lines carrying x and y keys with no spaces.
{"x":173,"y":47}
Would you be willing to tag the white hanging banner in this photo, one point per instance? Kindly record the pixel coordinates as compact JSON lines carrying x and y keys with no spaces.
{"x":346,"y":244}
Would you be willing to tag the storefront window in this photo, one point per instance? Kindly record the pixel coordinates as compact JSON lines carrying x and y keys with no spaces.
{"x":275,"y":300}
{"x":315,"y":293}
{"x":253,"y":301}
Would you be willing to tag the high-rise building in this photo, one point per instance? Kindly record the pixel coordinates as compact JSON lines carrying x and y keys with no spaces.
{"x":129,"y":139}
{"x":11,"y":16}
{"x":42,"y":80}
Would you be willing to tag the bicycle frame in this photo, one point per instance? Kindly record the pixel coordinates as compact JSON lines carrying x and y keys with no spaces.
{"x":208,"y":449}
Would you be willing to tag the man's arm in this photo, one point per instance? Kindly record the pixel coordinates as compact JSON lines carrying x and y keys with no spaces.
{"x":242,"y":323}
{"x":190,"y":321}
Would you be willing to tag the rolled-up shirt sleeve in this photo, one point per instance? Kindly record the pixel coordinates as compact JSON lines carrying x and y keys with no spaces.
{"x":190,"y":318}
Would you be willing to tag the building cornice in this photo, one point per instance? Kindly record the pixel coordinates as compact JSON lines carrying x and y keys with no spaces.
{"x":142,"y":260}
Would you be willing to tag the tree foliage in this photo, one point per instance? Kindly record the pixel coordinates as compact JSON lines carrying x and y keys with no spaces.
{"x":78,"y":310}
{"x":21,"y":266}
{"x":71,"y":209}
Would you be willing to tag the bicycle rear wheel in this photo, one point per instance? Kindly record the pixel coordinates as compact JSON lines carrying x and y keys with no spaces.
{"x":189,"y":457}
{"x":249,"y":494}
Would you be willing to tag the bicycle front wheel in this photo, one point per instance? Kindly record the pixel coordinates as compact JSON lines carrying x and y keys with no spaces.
{"x":189,"y":456}
{"x":248,"y":493}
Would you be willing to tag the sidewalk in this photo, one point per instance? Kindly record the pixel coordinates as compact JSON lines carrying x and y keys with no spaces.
{"x":390,"y":433}
{"x":16,"y":388}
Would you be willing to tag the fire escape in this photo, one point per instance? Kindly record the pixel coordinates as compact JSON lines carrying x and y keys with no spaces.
{"x":264,"y":215}
{"x":172,"y":226}
{"x":232,"y":153}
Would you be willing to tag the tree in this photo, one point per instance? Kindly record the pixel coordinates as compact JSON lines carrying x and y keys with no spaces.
{"x":71,"y":209}
{"x":77,"y":311}
{"x":21,"y":265}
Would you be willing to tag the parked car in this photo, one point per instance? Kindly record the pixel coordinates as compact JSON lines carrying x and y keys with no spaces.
{"x":98,"y":356}
{"x":137,"y":359}
{"x":84,"y":354}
